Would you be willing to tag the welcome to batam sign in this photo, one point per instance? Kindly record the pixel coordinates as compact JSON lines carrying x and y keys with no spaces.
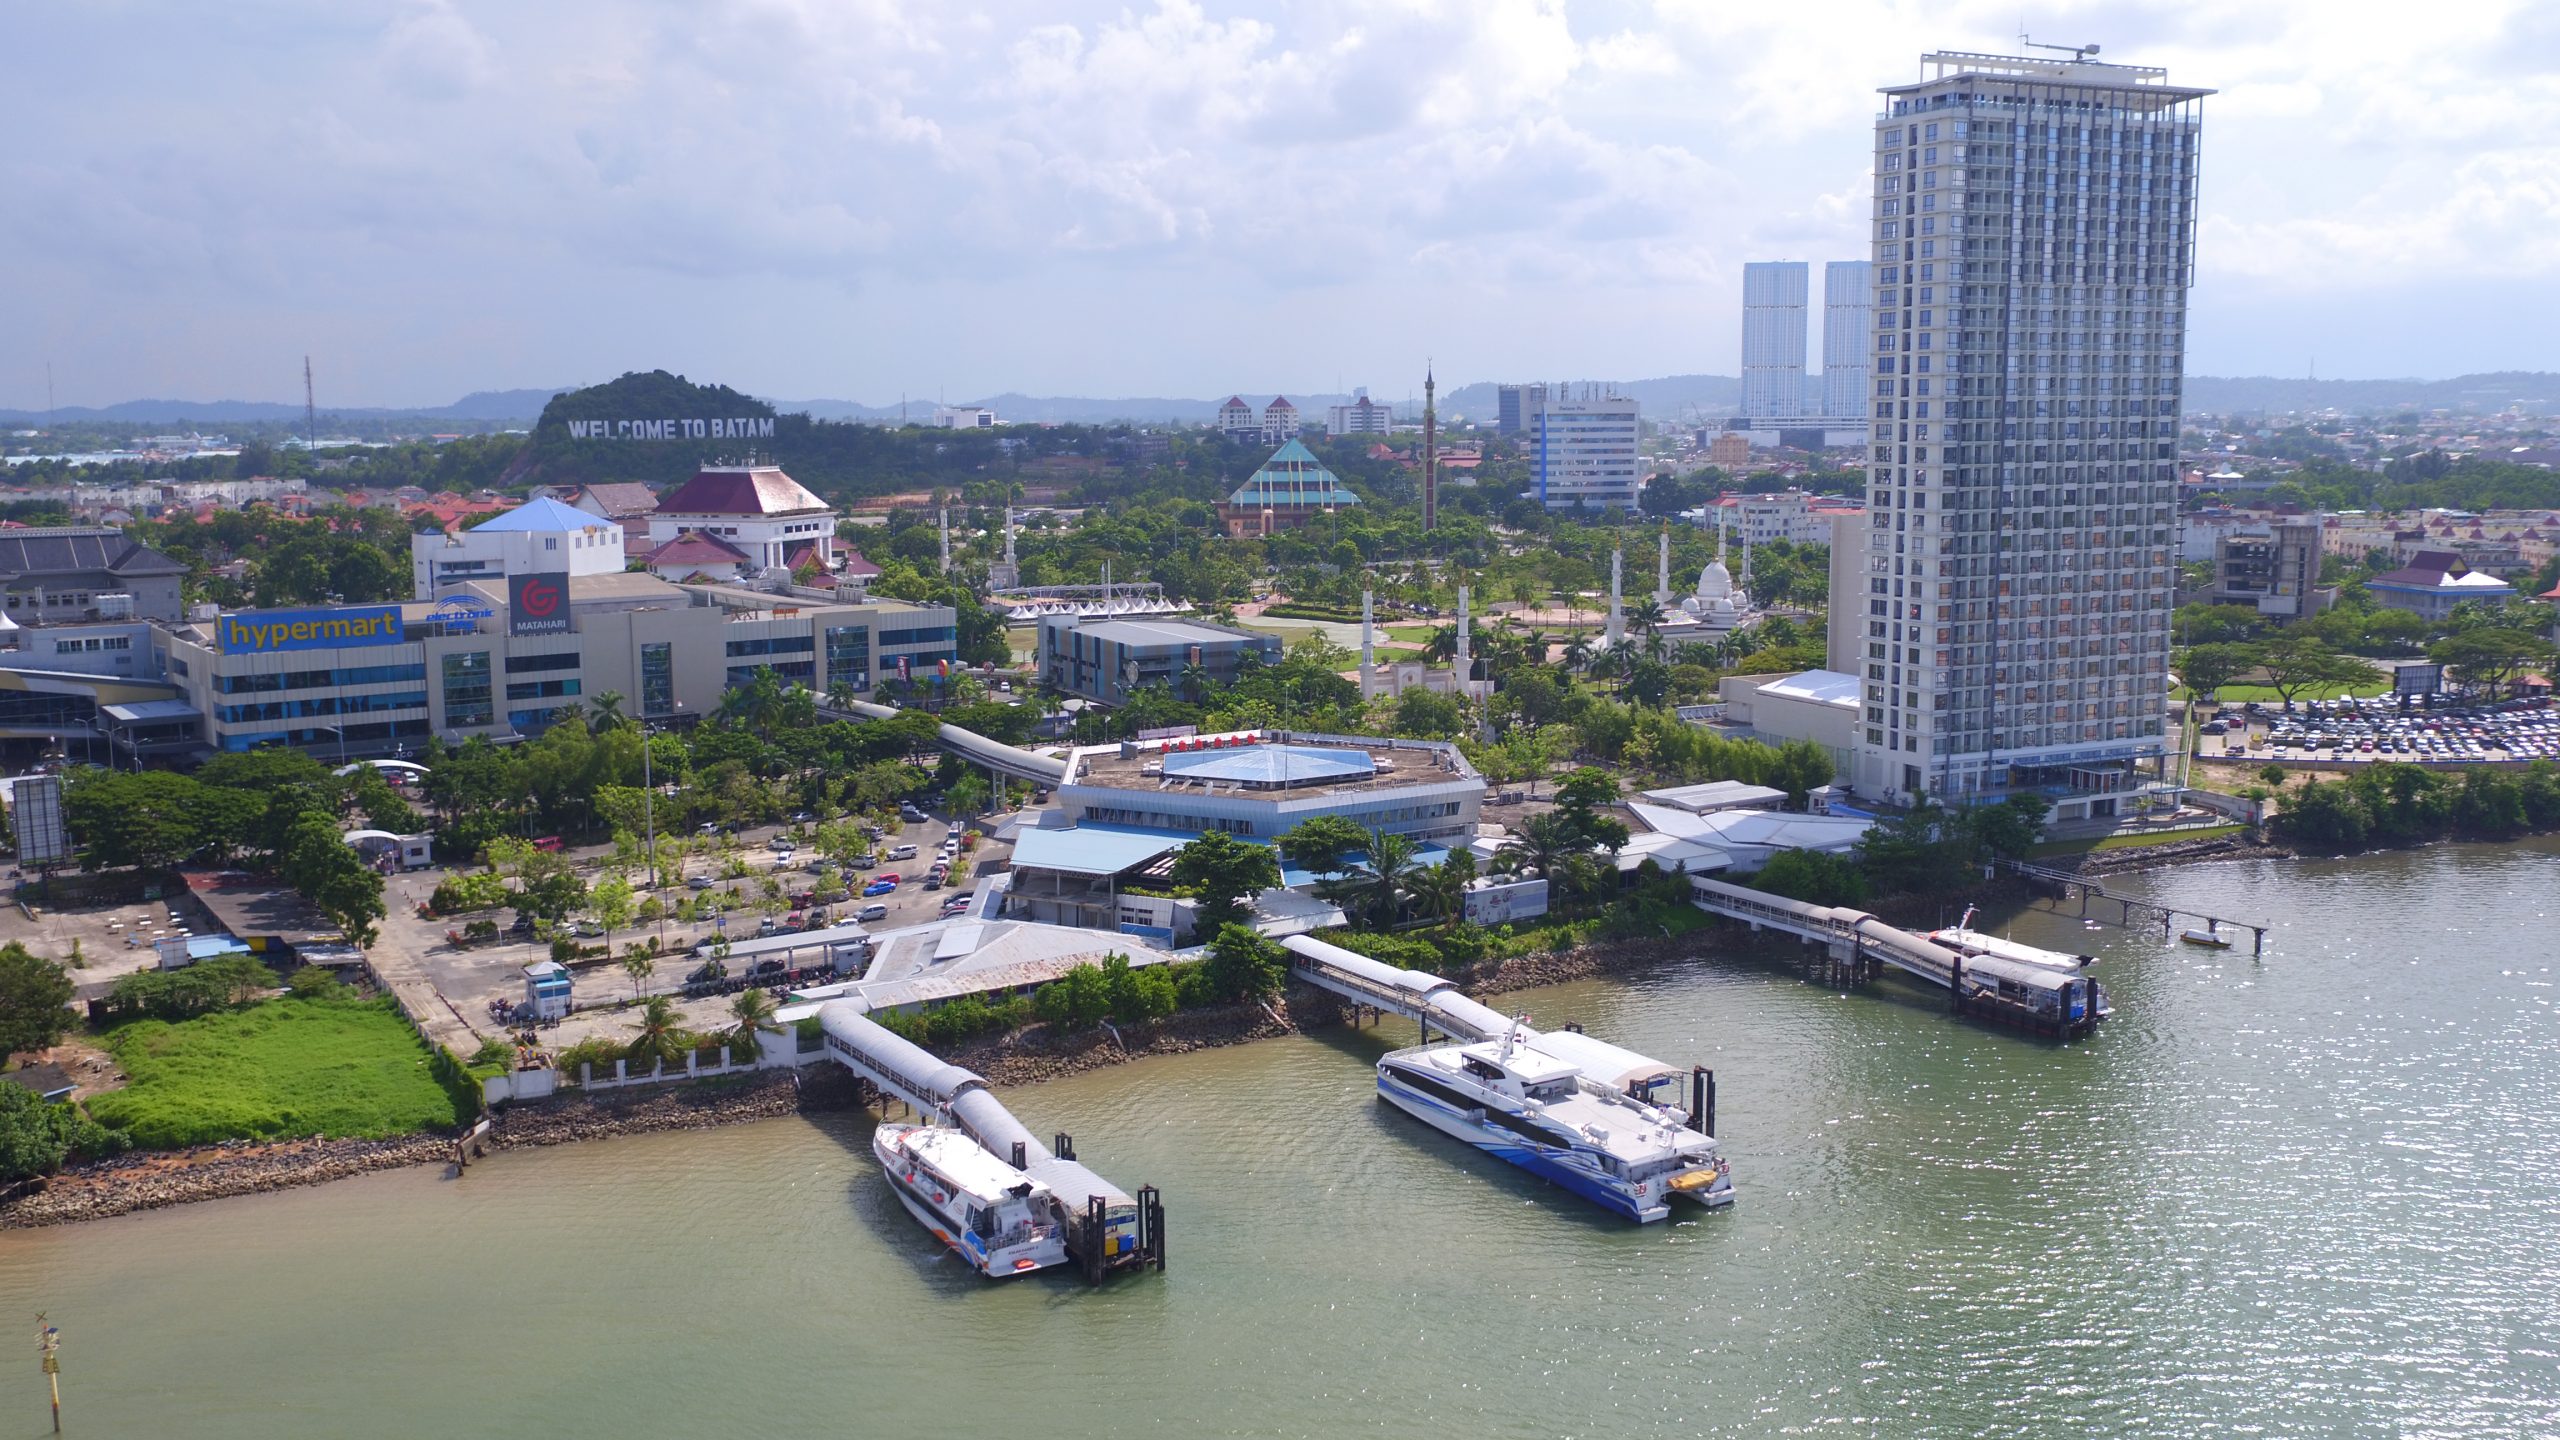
{"x":747,"y":428}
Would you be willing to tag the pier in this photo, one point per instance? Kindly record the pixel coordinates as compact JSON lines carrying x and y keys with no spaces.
{"x":902,"y":1070}
{"x":2067,"y":883}
{"x":1856,"y":946}
{"x":1438,"y":1004}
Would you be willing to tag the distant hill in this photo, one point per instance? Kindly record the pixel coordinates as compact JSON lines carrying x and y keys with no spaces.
{"x":2219,"y":395}
{"x":478,"y":405}
{"x":1666,"y":398}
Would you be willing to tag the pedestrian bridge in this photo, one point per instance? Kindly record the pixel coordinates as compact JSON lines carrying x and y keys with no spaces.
{"x":969,"y":745}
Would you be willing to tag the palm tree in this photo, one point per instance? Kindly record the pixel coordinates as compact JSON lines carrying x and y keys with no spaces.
{"x":1577,"y":653}
{"x":1440,"y":891}
{"x":841,"y":694}
{"x":753,"y":1010}
{"x":1536,"y":847}
{"x":1391,"y":872}
{"x":661,"y":1037}
{"x":1195,"y":682}
{"x":606,"y":709}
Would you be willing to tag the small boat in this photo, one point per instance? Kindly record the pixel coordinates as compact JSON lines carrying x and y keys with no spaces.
{"x":1540,"y":1112}
{"x":1976,"y":945}
{"x":995,"y":1217}
{"x":2210,"y":937}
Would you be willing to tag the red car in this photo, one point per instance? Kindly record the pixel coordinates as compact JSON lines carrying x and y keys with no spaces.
{"x":890,"y":877}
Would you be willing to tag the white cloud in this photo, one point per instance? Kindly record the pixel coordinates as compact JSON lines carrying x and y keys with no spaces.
{"x":1360,"y":167}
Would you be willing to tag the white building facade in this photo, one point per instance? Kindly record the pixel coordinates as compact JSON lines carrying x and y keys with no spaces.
{"x":1583,"y":451}
{"x":541,"y":536}
{"x":2034,"y":225}
{"x":1363,"y":416}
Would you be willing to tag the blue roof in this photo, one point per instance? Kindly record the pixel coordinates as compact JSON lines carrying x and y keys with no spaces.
{"x":1094,"y":849}
{"x":1293,"y":476}
{"x":541,"y":514}
{"x":1269,"y":764}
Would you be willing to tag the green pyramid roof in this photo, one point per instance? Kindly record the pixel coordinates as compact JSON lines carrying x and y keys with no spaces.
{"x":1293,"y":476}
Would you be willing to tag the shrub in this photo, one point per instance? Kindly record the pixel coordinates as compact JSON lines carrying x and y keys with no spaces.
{"x":460,"y":894}
{"x":182,"y":994}
{"x":314,"y":982}
{"x":37,"y":1135}
{"x":596,"y":1050}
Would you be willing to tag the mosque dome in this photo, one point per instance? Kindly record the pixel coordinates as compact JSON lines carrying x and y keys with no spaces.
{"x":1715,"y":582}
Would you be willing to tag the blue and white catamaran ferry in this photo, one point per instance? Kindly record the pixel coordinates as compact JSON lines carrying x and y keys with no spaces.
{"x":1531,"y":1099}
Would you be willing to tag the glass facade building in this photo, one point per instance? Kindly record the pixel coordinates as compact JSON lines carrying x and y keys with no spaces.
{"x":2034,"y":231}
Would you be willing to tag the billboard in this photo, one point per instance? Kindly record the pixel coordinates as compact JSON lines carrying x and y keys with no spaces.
{"x":744,"y":427}
{"x":266,"y":632}
{"x":1491,"y":902}
{"x":42,"y":838}
{"x":538,"y":604}
{"x":2417,"y":679}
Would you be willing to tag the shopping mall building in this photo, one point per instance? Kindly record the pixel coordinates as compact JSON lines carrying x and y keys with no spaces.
{"x":502,"y":657}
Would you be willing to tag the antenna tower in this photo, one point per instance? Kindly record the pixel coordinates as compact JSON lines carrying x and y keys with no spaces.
{"x":310,"y":409}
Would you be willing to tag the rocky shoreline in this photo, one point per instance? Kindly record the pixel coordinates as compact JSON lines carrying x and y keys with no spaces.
{"x":122,"y":1186}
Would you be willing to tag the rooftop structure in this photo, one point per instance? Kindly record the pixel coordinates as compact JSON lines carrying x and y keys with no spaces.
{"x":770,"y":518}
{"x":2432,"y":583}
{"x":1110,"y":659}
{"x":61,"y":574}
{"x":1259,"y":784}
{"x":540,"y":537}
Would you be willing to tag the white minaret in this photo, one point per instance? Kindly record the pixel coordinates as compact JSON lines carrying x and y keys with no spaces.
{"x":1662,"y":571}
{"x":1463,"y":667}
{"x":1008,"y":535}
{"x":1368,"y":637}
{"x":1617,"y":603}
{"x":945,"y":513}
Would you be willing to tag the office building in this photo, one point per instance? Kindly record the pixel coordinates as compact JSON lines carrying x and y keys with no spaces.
{"x":1512,"y":404}
{"x":492,"y":657}
{"x":66,"y":574}
{"x":756,"y":513}
{"x":2272,"y":568}
{"x":1730,"y":450}
{"x":1773,"y":330}
{"x":1363,"y":416}
{"x":1110,"y":660}
{"x":1279,"y":421}
{"x":1583,"y":452}
{"x":963,"y":417}
{"x":1238,"y":420}
{"x":2034,"y":225}
{"x":541,"y":536}
{"x":1848,"y":319}
{"x":2433,"y":582}
{"x":1292,"y":488}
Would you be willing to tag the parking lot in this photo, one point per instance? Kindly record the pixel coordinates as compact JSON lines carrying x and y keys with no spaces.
{"x":470,"y":977}
{"x":2349,"y":732}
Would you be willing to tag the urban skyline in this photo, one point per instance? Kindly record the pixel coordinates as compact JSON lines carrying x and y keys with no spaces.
{"x":1143,"y":186}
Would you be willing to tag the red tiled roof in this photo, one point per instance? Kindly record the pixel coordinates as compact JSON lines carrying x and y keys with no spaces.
{"x":618,"y":498}
{"x":857,"y":568}
{"x":695,"y":548}
{"x":737,"y":490}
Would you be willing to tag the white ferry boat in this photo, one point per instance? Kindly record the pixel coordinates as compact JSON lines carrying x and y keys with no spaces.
{"x":1970,"y":943}
{"x":1544,"y":1115}
{"x":995,"y":1217}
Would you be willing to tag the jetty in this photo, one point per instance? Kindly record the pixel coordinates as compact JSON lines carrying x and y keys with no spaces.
{"x":1854,"y":947}
{"x":1108,"y":1230}
{"x":2066,"y":884}
{"x":1438,"y":1004}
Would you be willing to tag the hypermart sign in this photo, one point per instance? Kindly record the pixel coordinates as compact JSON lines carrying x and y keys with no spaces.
{"x":266,"y":632}
{"x":746,"y":428}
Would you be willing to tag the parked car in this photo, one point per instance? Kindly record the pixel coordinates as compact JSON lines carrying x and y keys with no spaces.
{"x":699,"y":882}
{"x":933,"y":881}
{"x":902,"y":852}
{"x":955,"y":905}
{"x":880,"y":887}
{"x":872,"y":912}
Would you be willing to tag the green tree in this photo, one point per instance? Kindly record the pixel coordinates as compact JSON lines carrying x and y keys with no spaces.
{"x":318,"y":862}
{"x":1813,"y":877}
{"x":1378,"y":891}
{"x":1321,"y":844}
{"x":1242,"y":965}
{"x":2296,"y":662}
{"x":2207,"y":668}
{"x":612,"y":901}
{"x":753,"y":1009}
{"x":2489,"y":656}
{"x":36,"y":1136}
{"x":659,"y":1035}
{"x":34,"y":994}
{"x":1224,"y":873}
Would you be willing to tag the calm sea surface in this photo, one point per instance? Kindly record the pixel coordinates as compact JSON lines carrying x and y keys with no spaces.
{"x":2314,"y":1195}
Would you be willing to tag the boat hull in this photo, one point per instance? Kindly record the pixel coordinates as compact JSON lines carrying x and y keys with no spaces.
{"x":1553,"y":1165}
{"x":996,"y":1264}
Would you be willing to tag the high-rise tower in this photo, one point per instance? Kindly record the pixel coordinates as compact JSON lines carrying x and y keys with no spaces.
{"x":1848,"y":325}
{"x":2034,"y":231}
{"x":1773,"y":298}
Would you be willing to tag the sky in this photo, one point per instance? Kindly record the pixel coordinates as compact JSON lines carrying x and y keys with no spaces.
{"x":869,"y":199}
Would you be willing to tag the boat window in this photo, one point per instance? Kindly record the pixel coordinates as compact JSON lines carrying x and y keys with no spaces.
{"x":1481,"y":1070}
{"x":981,"y":1221}
{"x":1551,"y":1090}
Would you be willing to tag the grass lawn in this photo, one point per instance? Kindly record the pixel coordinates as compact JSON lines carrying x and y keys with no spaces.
{"x":2136,"y":842}
{"x":2241,"y":694}
{"x":278,"y":1070}
{"x":1413,"y":634}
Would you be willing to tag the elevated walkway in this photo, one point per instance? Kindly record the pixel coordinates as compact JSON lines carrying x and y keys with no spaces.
{"x":969,"y":745}
{"x":1436,"y":1003}
{"x":1107,"y":1228}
